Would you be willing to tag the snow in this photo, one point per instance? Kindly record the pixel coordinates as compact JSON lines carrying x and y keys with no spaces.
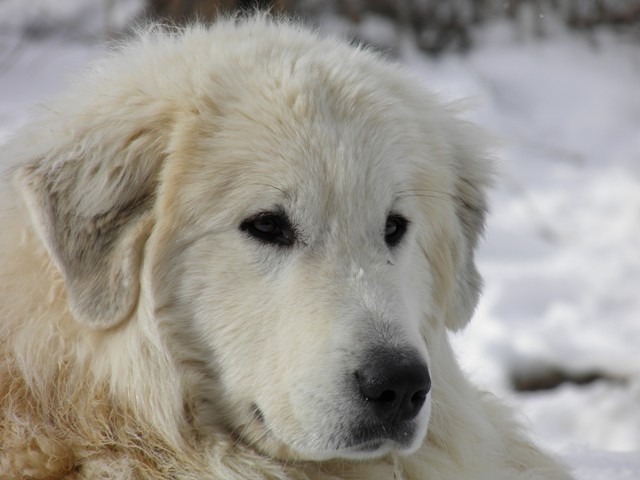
{"x":37,"y":73}
{"x":561,"y":259}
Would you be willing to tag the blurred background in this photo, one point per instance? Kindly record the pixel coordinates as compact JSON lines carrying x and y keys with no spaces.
{"x":557,"y":332}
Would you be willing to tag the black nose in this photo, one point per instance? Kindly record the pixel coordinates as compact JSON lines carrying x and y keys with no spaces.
{"x":394,"y":386}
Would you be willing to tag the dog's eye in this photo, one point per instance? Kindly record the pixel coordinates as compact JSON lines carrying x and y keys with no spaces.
{"x":270,"y":227}
{"x":395,"y":229}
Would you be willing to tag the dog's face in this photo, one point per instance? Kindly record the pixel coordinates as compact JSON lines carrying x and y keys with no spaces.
{"x":303,"y":237}
{"x":297,"y":280}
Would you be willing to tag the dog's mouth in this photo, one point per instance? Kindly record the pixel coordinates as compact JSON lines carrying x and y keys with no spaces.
{"x":372,"y":448}
{"x":257,"y":414}
{"x":374,"y":440}
{"x":363,"y":441}
{"x":361,"y":447}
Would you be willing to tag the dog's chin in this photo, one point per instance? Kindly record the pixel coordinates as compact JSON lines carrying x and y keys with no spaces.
{"x":368,"y":450}
{"x":355,"y":448}
{"x":362,"y":441}
{"x":374,"y":449}
{"x":300,"y":450}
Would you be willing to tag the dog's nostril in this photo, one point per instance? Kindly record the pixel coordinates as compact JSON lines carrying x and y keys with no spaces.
{"x":386,"y":396}
{"x":418,"y":398}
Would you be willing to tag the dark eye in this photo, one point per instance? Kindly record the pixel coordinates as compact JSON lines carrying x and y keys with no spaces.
{"x":270,"y":227}
{"x":395,"y":229}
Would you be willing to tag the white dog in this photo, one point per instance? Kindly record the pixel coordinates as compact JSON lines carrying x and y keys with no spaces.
{"x":234,"y":252}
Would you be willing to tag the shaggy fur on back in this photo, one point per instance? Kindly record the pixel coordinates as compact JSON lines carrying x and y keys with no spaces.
{"x":95,"y":380}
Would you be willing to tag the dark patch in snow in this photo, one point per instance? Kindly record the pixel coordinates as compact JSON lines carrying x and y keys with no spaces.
{"x":553,"y":377}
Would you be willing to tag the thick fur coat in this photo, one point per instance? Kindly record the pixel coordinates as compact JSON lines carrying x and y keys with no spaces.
{"x":221,"y":248}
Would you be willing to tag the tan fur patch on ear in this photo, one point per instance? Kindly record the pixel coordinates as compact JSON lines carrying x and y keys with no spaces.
{"x":98,"y":254}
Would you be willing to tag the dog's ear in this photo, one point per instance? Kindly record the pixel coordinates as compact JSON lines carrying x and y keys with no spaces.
{"x":455,"y":237}
{"x":90,"y":194}
{"x":473,"y":176}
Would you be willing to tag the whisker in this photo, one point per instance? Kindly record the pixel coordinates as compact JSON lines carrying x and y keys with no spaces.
{"x":275,"y":187}
{"x":442,"y":196}
{"x":422,"y":191}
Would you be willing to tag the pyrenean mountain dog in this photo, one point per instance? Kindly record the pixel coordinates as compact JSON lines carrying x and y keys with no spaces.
{"x":234,"y":252}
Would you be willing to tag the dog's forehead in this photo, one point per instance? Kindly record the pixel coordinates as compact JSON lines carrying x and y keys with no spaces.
{"x":308,"y":134}
{"x":319,"y":136}
{"x":325,"y":170}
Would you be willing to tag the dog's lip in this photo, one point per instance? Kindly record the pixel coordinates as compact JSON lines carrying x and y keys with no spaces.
{"x":369,"y":443}
{"x":369,"y":449}
{"x":398,"y":435}
{"x":369,"y":446}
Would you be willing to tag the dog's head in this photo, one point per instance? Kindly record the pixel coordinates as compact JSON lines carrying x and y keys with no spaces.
{"x":299,"y":214}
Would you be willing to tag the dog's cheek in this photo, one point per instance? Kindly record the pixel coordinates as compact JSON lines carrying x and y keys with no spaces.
{"x":207,"y":319}
{"x":237,"y":318}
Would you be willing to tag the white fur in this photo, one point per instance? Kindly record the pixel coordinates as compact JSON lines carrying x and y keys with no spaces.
{"x":145,"y":334}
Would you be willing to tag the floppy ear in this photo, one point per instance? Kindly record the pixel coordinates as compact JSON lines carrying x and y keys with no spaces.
{"x":90,"y":197}
{"x":473,"y":173}
{"x":452,"y":241}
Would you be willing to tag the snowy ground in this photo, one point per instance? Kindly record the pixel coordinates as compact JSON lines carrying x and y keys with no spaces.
{"x":562,"y":255}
